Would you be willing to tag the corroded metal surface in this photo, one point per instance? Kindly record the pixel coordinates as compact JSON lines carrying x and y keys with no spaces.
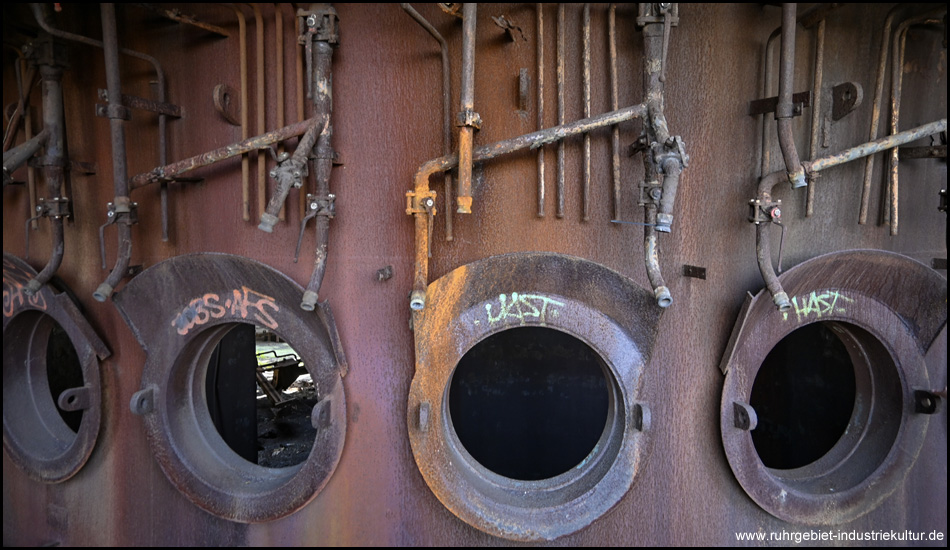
{"x":179,"y":310}
{"x":500,"y":293}
{"x":388,"y":121}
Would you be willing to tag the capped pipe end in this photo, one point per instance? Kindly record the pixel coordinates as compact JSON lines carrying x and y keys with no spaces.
{"x":103,"y":292}
{"x":268,"y":221}
{"x":663,"y":222}
{"x":797,"y":179}
{"x":417,"y":300}
{"x":663,"y":297}
{"x":309,"y":301}
{"x":781,"y":301}
{"x":32,"y":287}
{"x":465,"y":205}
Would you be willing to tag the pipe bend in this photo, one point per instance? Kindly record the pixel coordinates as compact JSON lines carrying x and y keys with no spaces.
{"x":763,"y":253}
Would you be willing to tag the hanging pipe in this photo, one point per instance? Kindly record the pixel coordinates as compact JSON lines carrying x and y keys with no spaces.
{"x":446,"y":110}
{"x":665,"y":155}
{"x":785,"y":110}
{"x":614,"y":104}
{"x":24,"y":85}
{"x":322,"y":37}
{"x":816,"y":109}
{"x":561,"y":112}
{"x":16,"y":157}
{"x":175,"y":169}
{"x":122,"y":204}
{"x":539,"y":8}
{"x":586,"y":47}
{"x":897,"y":77}
{"x":468,"y":118}
{"x":53,"y":164}
{"x":420,"y":202}
{"x":763,"y":204}
{"x":40,"y":16}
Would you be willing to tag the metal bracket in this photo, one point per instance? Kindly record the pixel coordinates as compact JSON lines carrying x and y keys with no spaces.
{"x":469,"y":118}
{"x":321,"y":24}
{"x":650,"y":192}
{"x":57,"y":207}
{"x":765,"y":211}
{"x":659,"y":13}
{"x":143,"y":104}
{"x":769,"y":104}
{"x":845,"y":98}
{"x":420,"y":204}
{"x":124,"y":212}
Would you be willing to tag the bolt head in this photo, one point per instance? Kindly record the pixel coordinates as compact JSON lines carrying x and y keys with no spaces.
{"x":776,"y":213}
{"x":313,"y":206}
{"x":110,"y":214}
{"x":311,"y":20}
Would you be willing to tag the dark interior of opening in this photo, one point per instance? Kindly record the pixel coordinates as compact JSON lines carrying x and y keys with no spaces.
{"x":529,"y":403}
{"x":260,"y":397}
{"x":803,"y":395}
{"x":63,"y":371}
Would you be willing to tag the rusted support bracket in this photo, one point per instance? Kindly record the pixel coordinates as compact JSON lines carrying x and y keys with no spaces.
{"x":800,"y":101}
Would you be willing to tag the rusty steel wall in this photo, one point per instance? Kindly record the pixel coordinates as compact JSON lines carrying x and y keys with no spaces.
{"x":387,"y":121}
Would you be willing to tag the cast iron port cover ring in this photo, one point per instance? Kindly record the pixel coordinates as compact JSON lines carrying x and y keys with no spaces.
{"x":588,"y":301}
{"x":34,"y":436}
{"x":862,"y":295}
{"x":179,"y":309}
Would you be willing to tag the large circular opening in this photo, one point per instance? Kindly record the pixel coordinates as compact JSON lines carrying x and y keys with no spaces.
{"x":39,"y":364}
{"x":260,"y":397}
{"x":529,"y":403}
{"x":803,"y":396}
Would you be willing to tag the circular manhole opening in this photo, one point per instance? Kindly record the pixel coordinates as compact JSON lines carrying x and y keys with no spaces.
{"x":260,"y":396}
{"x":530,"y":403}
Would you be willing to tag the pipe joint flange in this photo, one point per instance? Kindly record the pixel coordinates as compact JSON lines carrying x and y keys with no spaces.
{"x":670,"y":154}
{"x":321,"y":25}
{"x":321,"y":205}
{"x":764,"y":211}
{"x":469,"y":119}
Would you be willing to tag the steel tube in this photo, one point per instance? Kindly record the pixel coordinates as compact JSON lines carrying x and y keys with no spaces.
{"x":467,"y":100}
{"x":876,"y":112}
{"x":561,"y":116}
{"x":816,"y":109}
{"x":175,"y":169}
{"x":53,"y":166}
{"x":614,"y":104}
{"x":446,"y":110}
{"x":540,"y":52}
{"x":15,"y":157}
{"x":586,"y":48}
{"x":785,"y":109}
{"x":652,"y":258}
{"x":489,"y":152}
{"x":119,"y":167}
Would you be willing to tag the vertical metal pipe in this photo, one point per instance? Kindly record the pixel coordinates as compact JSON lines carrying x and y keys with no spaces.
{"x":560,"y":107}
{"x":119,"y":169}
{"x":766,"y":156}
{"x":816,"y":109}
{"x":245,"y":161}
{"x":467,"y":100}
{"x":53,"y":166}
{"x":614,"y":105}
{"x":279,"y":59}
{"x":446,"y":110}
{"x":586,"y":46}
{"x":784,"y":111}
{"x":261,"y":122}
{"x":540,"y":46}
{"x":876,"y":112}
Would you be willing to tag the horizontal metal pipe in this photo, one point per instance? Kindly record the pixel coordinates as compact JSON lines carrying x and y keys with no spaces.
{"x":876,"y":146}
{"x":15,"y":157}
{"x":489,"y":152}
{"x":223,"y":153}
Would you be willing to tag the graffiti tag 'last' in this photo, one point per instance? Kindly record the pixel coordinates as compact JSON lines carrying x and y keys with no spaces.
{"x":819,"y":303}
{"x":241,"y":303}
{"x":523,"y":307}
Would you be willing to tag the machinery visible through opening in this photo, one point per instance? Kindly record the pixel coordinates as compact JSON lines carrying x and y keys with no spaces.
{"x":260,"y":397}
{"x":803,"y":395}
{"x":63,"y":371}
{"x":530,"y":403}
